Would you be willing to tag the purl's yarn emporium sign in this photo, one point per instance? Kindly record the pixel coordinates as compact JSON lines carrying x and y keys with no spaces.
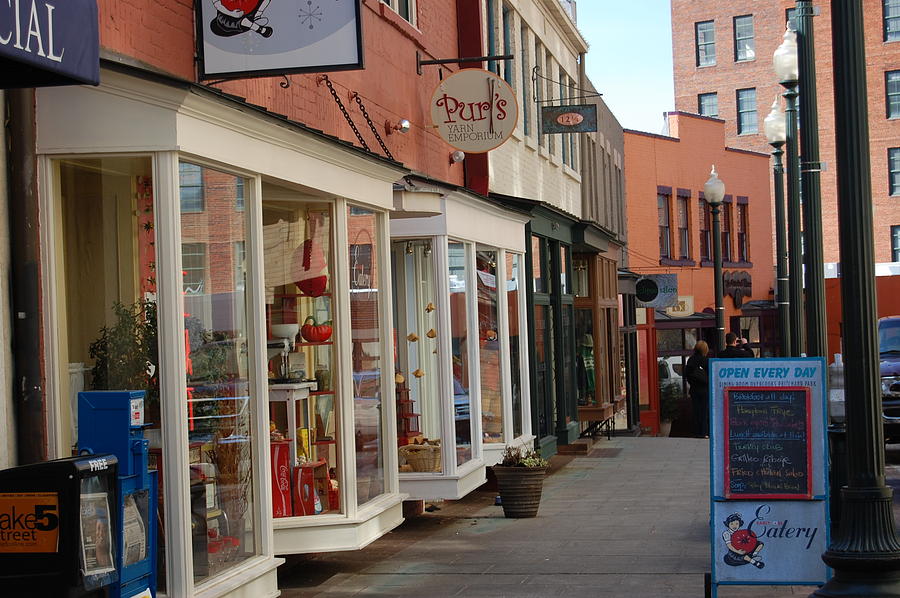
{"x":474,"y":110}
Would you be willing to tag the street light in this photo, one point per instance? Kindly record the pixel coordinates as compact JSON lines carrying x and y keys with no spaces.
{"x":864,"y":552}
{"x":787,"y":70}
{"x":775,"y":126}
{"x":714,"y":193}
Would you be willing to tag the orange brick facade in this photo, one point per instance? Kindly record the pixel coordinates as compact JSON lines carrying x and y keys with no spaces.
{"x":729,"y":75}
{"x":682,"y":163}
{"x":162,"y":34}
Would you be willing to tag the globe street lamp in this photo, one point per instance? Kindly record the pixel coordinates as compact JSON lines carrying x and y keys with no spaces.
{"x":714,"y":193}
{"x":864,"y":552}
{"x":775,"y":127}
{"x":786,"y":68}
{"x":810,"y":169}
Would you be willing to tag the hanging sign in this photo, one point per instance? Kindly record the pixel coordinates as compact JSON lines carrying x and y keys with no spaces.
{"x":657,"y":290}
{"x":569,"y":119}
{"x":683,"y":308}
{"x":43,"y":43}
{"x":262,"y":38}
{"x":474,"y":110}
{"x":769,"y":500}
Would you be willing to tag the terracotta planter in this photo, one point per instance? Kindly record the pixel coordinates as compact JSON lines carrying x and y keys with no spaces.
{"x":520,"y":489}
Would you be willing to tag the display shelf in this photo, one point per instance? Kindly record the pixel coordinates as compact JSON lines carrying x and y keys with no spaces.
{"x":313,"y":344}
{"x":317,"y":393}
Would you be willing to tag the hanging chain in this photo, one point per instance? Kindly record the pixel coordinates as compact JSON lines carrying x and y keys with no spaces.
{"x":345,"y":113}
{"x":365,"y":114}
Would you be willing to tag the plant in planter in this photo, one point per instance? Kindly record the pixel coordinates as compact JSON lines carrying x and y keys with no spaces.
{"x":520,"y":479}
{"x":669,"y":406}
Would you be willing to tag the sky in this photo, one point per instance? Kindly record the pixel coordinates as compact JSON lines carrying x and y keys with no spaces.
{"x":630,"y":58}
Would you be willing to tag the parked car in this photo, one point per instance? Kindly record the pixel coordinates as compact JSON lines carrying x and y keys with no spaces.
{"x":889,"y":355}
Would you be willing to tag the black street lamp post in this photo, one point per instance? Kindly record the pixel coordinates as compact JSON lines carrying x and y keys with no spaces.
{"x":714,"y":194}
{"x":864,"y":552}
{"x":776,"y":134}
{"x":788,"y":75}
{"x":810,"y":169}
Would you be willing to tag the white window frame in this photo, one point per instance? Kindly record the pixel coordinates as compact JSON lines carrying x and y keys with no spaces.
{"x":395,"y":6}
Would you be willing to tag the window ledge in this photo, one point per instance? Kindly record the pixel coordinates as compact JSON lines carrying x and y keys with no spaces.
{"x":667,"y":261}
{"x":706,"y":263}
{"x":706,"y":66}
{"x":399,"y":23}
{"x":737,"y":264}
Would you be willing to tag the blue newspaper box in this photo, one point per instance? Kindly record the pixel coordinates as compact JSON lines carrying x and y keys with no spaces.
{"x":113,"y":422}
{"x":57,"y":528}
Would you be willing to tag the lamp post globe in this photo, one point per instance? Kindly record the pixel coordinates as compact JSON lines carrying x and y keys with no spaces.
{"x":787,"y":67}
{"x":714,"y":193}
{"x":775,"y":125}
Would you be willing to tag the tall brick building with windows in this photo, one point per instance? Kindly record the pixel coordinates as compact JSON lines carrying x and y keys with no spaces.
{"x":723,"y":68}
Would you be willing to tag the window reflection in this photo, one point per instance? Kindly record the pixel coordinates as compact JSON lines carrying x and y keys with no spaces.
{"x":489,"y":347}
{"x":459,"y":345}
{"x":513,"y":282}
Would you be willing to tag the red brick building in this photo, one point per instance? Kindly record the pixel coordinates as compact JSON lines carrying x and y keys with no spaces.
{"x":723,"y":60}
{"x":670,"y":232}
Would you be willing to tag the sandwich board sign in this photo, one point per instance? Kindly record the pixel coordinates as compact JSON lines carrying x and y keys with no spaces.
{"x":769,"y":521}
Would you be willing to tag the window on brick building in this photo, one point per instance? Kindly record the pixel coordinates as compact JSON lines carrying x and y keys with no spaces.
{"x":726,"y":231}
{"x":405,"y":8}
{"x":746,"y":111}
{"x":705,"y":33}
{"x":508,"y":65}
{"x":891,"y":20}
{"x":538,"y":88}
{"x":705,"y":231}
{"x":551,"y":94}
{"x":894,"y":170}
{"x":744,"y":44}
{"x":892,"y":91}
{"x":190,"y":181}
{"x":708,"y":104}
{"x":665,"y":235}
{"x":193,"y":266}
{"x":239,"y":194}
{"x":526,"y":80}
{"x":684,"y":239}
{"x":743,"y":241}
{"x":895,"y":243}
{"x":491,"y":23}
{"x":563,"y":99}
{"x":790,"y":18}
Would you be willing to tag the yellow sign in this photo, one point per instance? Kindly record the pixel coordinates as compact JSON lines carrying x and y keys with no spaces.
{"x":683,"y":308}
{"x":29,"y":522}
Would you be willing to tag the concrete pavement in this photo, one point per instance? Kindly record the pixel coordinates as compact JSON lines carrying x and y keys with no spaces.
{"x":630,"y":520}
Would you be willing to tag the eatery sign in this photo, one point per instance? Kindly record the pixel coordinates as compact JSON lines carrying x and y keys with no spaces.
{"x":48,"y":42}
{"x":474,"y":110}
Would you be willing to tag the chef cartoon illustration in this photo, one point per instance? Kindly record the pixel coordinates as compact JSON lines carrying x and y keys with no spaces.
{"x":234,"y":17}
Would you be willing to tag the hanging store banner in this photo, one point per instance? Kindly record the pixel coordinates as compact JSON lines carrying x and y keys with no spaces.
{"x":657,"y":290}
{"x":262,"y":38}
{"x":474,"y":110}
{"x":44,"y":44}
{"x":569,"y":119}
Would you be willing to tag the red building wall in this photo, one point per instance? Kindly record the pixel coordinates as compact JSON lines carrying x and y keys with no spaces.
{"x":161,"y":35}
{"x":728,"y":75}
{"x":683,"y":161}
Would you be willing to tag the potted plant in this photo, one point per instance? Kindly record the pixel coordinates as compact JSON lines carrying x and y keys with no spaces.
{"x":520,"y":479}
{"x":669,"y":406}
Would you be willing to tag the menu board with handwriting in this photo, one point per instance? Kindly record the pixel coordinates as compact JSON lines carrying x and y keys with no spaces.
{"x":768,"y":449}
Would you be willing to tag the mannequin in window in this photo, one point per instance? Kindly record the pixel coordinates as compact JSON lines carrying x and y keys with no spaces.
{"x":584,"y":366}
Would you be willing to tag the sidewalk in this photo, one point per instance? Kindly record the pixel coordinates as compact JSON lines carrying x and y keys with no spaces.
{"x":629,"y":521}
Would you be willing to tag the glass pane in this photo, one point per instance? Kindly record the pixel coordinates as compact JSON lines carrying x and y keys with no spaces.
{"x":584,"y":356}
{"x":107,"y":290}
{"x":417,"y":345}
{"x":537,"y":265}
{"x":489,"y":347}
{"x":564,"y":270}
{"x":459,"y":347}
{"x":365,"y":331}
{"x":218,"y":385}
{"x":581,"y":278}
{"x":542,"y":355}
{"x":516,"y":321}
{"x":297,"y":254}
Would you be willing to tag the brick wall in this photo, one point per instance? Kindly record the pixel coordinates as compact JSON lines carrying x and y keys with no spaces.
{"x":727,"y":76}
{"x":683,"y":162}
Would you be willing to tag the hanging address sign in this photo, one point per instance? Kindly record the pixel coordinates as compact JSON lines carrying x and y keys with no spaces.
{"x":474,"y":110}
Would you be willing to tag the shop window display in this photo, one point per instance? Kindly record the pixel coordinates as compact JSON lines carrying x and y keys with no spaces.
{"x":513,"y":287}
{"x":106,"y":289}
{"x":297,"y":254}
{"x":417,"y":346}
{"x":217,"y":366}
{"x":459,"y":342}
{"x":366,"y":351}
{"x":489,"y":346}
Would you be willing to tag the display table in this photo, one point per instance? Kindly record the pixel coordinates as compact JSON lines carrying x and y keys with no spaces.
{"x":291,"y":410}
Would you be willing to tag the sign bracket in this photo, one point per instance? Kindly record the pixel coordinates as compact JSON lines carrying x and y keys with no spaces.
{"x":420,"y":63}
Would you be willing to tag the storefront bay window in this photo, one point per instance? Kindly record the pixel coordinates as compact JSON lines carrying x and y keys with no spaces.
{"x":246,"y":298}
{"x":461,"y":374}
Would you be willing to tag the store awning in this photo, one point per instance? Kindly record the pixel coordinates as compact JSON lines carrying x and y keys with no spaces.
{"x":43,"y":44}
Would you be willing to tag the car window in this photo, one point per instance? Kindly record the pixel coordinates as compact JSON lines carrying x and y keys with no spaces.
{"x":889,"y":335}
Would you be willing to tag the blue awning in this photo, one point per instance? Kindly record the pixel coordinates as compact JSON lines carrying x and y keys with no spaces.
{"x":49,"y":43}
